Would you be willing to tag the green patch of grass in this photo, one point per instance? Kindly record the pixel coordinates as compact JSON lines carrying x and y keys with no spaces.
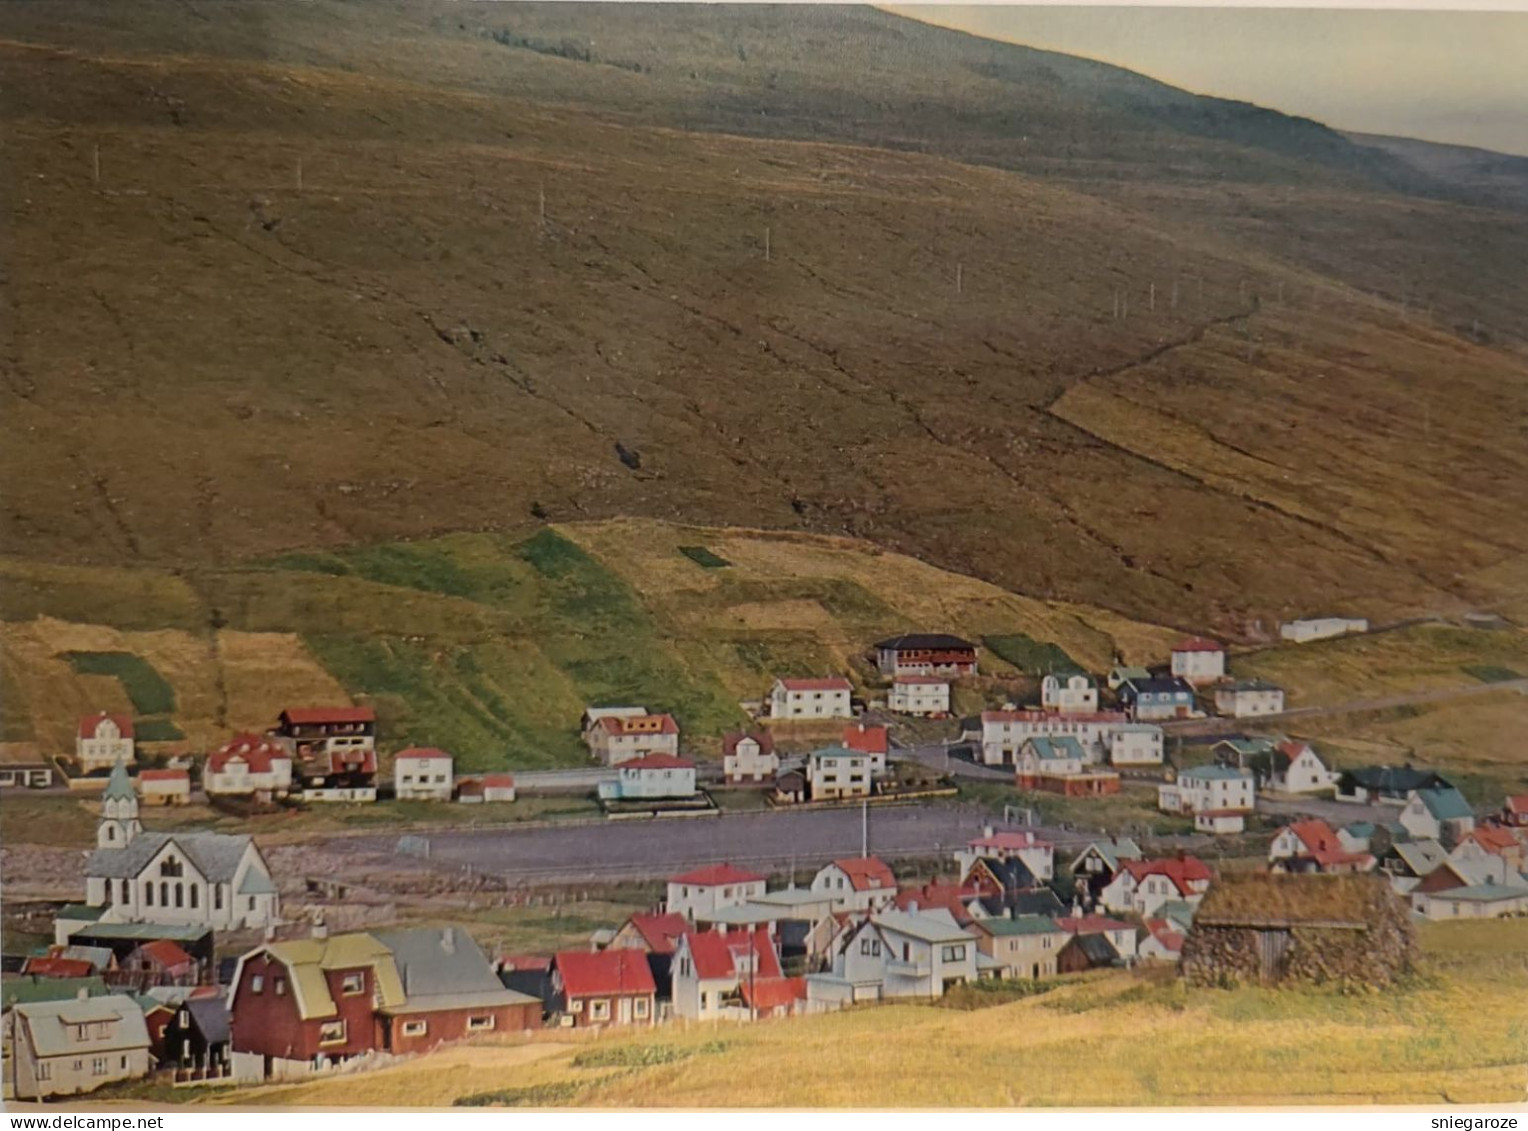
{"x":145,"y":687}
{"x":782,"y":655}
{"x":156,"y":730}
{"x":990,"y":992}
{"x":1030,"y":655}
{"x":1490,"y":673}
{"x":331,"y":564}
{"x":645,"y":1056}
{"x":704,"y":557}
{"x":555,"y":1094}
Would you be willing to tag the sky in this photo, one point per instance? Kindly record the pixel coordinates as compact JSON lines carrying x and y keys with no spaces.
{"x":1459,"y":77}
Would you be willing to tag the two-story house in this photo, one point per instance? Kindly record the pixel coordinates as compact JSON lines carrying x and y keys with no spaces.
{"x":1144,"y":886}
{"x":75,"y":1045}
{"x":1248,"y":698}
{"x":1440,"y":814}
{"x":1069,"y":693}
{"x":1136,"y":744}
{"x":1313,"y":846}
{"x":1148,"y":700}
{"x":1199,"y":660}
{"x":707,"y":890}
{"x":749,"y":758}
{"x":856,"y":884}
{"x":1205,"y":789}
{"x":334,"y":751}
{"x":874,"y":742}
{"x":836,"y":773}
{"x":1004,"y":732}
{"x":249,"y":765}
{"x":712,"y":970}
{"x":910,"y":953}
{"x":423,"y":773}
{"x":811,"y":699}
{"x":614,"y":739}
{"x":925,"y":695}
{"x":652,"y":777}
{"x":926,"y":653}
{"x":103,"y":740}
{"x":1023,"y":946}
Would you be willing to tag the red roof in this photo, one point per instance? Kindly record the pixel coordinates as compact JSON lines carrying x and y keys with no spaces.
{"x":164,"y":775}
{"x":836,"y":683}
{"x":1322,"y":844}
{"x":660,"y":931}
{"x":765,"y":740}
{"x":867,"y":873}
{"x":1494,"y":840}
{"x":1182,"y":871}
{"x":656,"y":762}
{"x":256,"y":752}
{"x":716,"y":953}
{"x":586,"y":973}
{"x":919,"y":680}
{"x":59,"y":967}
{"x":717,"y":874}
{"x":1009,"y":841}
{"x":419,"y":753}
{"x":772,"y":993}
{"x":1091,"y":924}
{"x":638,"y":724}
{"x":1518,"y":803}
{"x":88,"y":724}
{"x":866,"y":739}
{"x":524,"y":962}
{"x":935,"y":895}
{"x":166,"y":953}
{"x":1031,"y":715}
{"x":498,"y":781}
{"x":1198,"y":644}
{"x":317,"y":716}
{"x":1162,"y":931}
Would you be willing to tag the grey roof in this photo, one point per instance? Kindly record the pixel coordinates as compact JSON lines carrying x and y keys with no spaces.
{"x":98,"y":956}
{"x":1055,"y":749}
{"x":930,"y":926}
{"x":119,"y":787}
{"x":176,"y":932}
{"x":1483,"y":893}
{"x":443,"y":968}
{"x":1160,"y":685}
{"x":1394,"y":780}
{"x":215,"y":855}
{"x":838,"y":752}
{"x":256,"y":882}
{"x":211,"y":1017}
{"x":45,"y":1022}
{"x":1022,"y":925}
{"x":1421,"y":856}
{"x":924,"y":640}
{"x":1180,"y":911}
{"x":1113,"y":851}
{"x":1251,"y":685}
{"x":79,"y":913}
{"x":1099,"y":950}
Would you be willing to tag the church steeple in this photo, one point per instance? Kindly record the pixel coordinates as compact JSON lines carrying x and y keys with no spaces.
{"x":119,"y":822}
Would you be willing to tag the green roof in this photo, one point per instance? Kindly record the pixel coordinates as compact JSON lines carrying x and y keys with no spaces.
{"x":1482,"y":893}
{"x":79,"y":912}
{"x":1021,"y":925}
{"x":1445,"y":804}
{"x":119,"y":787}
{"x":176,"y":932}
{"x":25,"y":990}
{"x":1213,"y":773}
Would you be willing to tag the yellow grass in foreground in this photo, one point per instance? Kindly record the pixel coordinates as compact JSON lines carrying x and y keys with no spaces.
{"x":1459,"y":1035}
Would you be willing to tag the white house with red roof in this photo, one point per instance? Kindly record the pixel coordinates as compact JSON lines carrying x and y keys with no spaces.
{"x":1313,"y":846}
{"x":423,"y":773}
{"x":1161,"y":941}
{"x":614,"y":739}
{"x":707,"y":890}
{"x":1199,"y":660}
{"x":1143,"y":886}
{"x":249,"y":765}
{"x":652,"y":777}
{"x":1514,"y":811}
{"x":811,"y":699}
{"x":862,"y":883}
{"x":1038,"y":855}
{"x":872,"y":741}
{"x":102,"y":740}
{"x":924,"y":695}
{"x":1004,"y":732}
{"x":164,"y":787}
{"x":334,"y":751}
{"x":710,"y":969}
{"x":655,"y":932}
{"x":605,"y":987}
{"x":749,"y":758}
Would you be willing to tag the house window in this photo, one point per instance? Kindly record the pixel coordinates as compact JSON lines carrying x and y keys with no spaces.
{"x":98,"y":1066}
{"x":576,"y":1005}
{"x":280,"y":987}
{"x":331,"y":1033}
{"x":217,"y":896}
{"x":148,"y":894}
{"x":45,"y":1070}
{"x":415,"y":1028}
{"x":124,"y":890}
{"x":123,"y":1063}
{"x":257,"y":984}
{"x":353,"y":984}
{"x":170,"y":867}
{"x":953,"y":953}
{"x":480,"y":1024}
{"x":164,"y":893}
{"x":599,"y":1010}
{"x":251,"y":903}
{"x":180,"y":895}
{"x":195,"y":899}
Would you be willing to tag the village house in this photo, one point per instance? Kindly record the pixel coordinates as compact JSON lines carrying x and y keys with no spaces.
{"x":1440,"y":814}
{"x":926,"y":654}
{"x":1070,"y":693}
{"x":1477,"y":901}
{"x":195,"y":1039}
{"x":1246,"y":698}
{"x":248,"y":765}
{"x":1121,"y":674}
{"x":164,"y":787}
{"x":872,"y":741}
{"x":652,"y":777}
{"x":924,"y":695}
{"x":22,"y":766}
{"x":1004,"y":732}
{"x":1082,"y":952}
{"x":477,"y":789}
{"x":1208,"y":789}
{"x":1514,"y":811}
{"x":791,"y":787}
{"x":1161,"y":940}
{"x":749,"y":758}
{"x":811,"y":699}
{"x":652,"y":932}
{"x":1099,"y":863}
{"x":1408,"y":863}
{"x":423,"y":773}
{"x":707,"y":890}
{"x":614,"y":739}
{"x":711,"y":969}
{"x":1292,"y":767}
{"x":1119,"y":935}
{"x":1056,"y":765}
{"x":102,"y":741}
{"x":1167,"y":697}
{"x":1312,"y":846}
{"x":1038,"y":856}
{"x":910,"y":954}
{"x":1022,"y":946}
{"x":73,"y":1046}
{"x":1220,"y":822}
{"x":1145,"y":886}
{"x":316,"y":1001}
{"x":134,"y":945}
{"x":204,"y":878}
{"x":836,"y":773}
{"x":607,"y":987}
{"x":163,"y":962}
{"x":1135,"y":744}
{"x":334,"y":751}
{"x":858,"y":884}
{"x":1494,"y":840}
{"x":1385,"y":785}
{"x":965,"y":903}
{"x":1199,"y":660}
{"x":1321,"y":628}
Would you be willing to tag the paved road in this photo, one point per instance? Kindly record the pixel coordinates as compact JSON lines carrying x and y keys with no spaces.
{"x":945,"y":760}
{"x":658,"y":848}
{"x":1334,"y":812}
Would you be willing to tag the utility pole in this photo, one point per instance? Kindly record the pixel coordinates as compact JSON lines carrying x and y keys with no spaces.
{"x":864,"y":829}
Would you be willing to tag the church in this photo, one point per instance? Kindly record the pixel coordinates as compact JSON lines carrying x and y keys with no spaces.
{"x":201,"y":878}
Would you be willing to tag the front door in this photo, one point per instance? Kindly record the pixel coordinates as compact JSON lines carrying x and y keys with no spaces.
{"x":624,"y":1011}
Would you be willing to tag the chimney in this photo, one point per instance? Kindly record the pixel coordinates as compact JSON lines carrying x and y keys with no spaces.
{"x":912,"y":907}
{"x":82,"y":994}
{"x":448,"y":940}
{"x":320,"y":928}
{"x":987,"y":830}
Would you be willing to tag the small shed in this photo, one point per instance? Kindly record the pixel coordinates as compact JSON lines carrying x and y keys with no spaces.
{"x":1322,"y":929}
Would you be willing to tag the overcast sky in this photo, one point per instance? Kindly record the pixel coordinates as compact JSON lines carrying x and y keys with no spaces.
{"x":1442,"y":76}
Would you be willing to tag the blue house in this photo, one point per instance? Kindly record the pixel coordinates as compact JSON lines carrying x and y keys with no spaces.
{"x":1169,"y":697}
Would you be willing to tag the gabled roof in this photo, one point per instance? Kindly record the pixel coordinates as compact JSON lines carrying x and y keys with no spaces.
{"x":1396,"y":780}
{"x":834,"y":752}
{"x":1098,"y":949}
{"x":1158,"y":685}
{"x":215,"y":855}
{"x":1422,"y":857}
{"x":164,"y":775}
{"x":1322,"y":845}
{"x":717,"y":954}
{"x":1198,"y":644}
{"x":1483,"y":893}
{"x":619,"y":971}
{"x":764,"y":738}
{"x":498,"y":781}
{"x":1250,"y":685}
{"x":1517,"y":803}
{"x":1009,"y":841}
{"x":833,"y":683}
{"x":928,"y":926}
{"x":867,"y":873}
{"x":716,"y":874}
{"x":320,"y":716}
{"x":955,"y":900}
{"x":1184,"y":872}
{"x":1494,"y":840}
{"x":1123,"y":672}
{"x":442,"y":968}
{"x":255,"y":751}
{"x":656,"y":762}
{"x":165,"y":953}
{"x":49,"y":966}
{"x":1059,"y":748}
{"x":25,"y":989}
{"x":1178,"y":911}
{"x":1445,"y":804}
{"x":772,"y":993}
{"x":1213,"y":772}
{"x":54,"y":1028}
{"x":618,"y":725}
{"x":1112,"y":851}
{"x":420,"y":754}
{"x":306,"y":961}
{"x":920,"y":681}
{"x":211,"y":1017}
{"x":1166,"y":934}
{"x":867,"y":739}
{"x":1091,"y":924}
{"x":660,"y":931}
{"x":89,"y":723}
{"x":920,"y":641}
{"x":1003,"y":926}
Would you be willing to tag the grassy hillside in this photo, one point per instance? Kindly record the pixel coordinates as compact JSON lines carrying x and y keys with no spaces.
{"x":1453,"y":1036}
{"x":313,"y":303}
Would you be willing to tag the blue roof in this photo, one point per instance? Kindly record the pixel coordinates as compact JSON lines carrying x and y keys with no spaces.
{"x":1214,"y":773}
{"x":1445,"y":804}
{"x":1058,"y":748}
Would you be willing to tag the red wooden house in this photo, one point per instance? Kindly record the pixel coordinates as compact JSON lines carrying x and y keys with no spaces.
{"x":606,"y":987}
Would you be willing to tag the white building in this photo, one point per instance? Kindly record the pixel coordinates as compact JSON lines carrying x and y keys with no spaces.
{"x":703,"y":892}
{"x":811,"y":699}
{"x":836,"y":772}
{"x":1209,"y":789}
{"x":165,"y":787}
{"x":1072,"y":693}
{"x":1004,"y":732}
{"x":1437,"y":814}
{"x":1136,"y":744}
{"x":1049,"y":756}
{"x":614,"y":739}
{"x":1321,"y":628}
{"x":920,"y":695}
{"x":1199,"y":660}
{"x":1143,"y":886}
{"x":1247,"y":698}
{"x":861,"y":884}
{"x":1039,"y":856}
{"x":1295,"y":767}
{"x":905,"y":954}
{"x":207,"y":879}
{"x":749,"y":758}
{"x":249,"y":765}
{"x":714,"y":971}
{"x":103,"y":740}
{"x":73,"y":1046}
{"x":423,"y":774}
{"x":653,"y":777}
